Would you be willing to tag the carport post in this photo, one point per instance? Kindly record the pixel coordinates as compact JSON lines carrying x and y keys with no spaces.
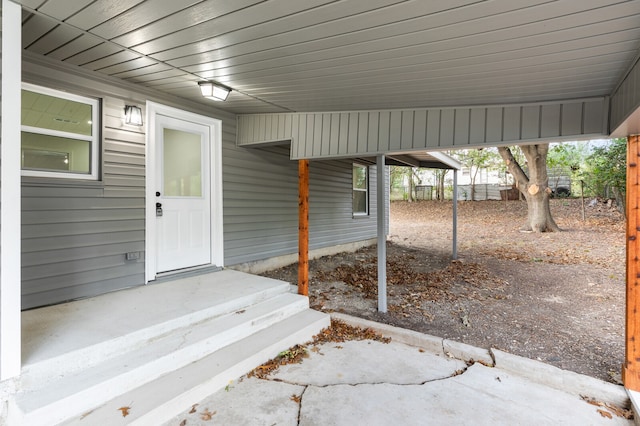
{"x":382,"y":235}
{"x":303,"y":227}
{"x":631,"y":367}
{"x":455,"y":214}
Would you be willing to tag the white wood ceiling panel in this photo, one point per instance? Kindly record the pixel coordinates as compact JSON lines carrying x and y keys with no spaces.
{"x":340,"y":32}
{"x":190,"y":39}
{"x":449,"y":49}
{"x":178,"y":21}
{"x":140,"y":15}
{"x":93,"y":54}
{"x":461,"y":83}
{"x":34,"y":28}
{"x":32,"y":3}
{"x":183,"y":81}
{"x":390,"y":70}
{"x":133,"y":64}
{"x":512,"y":49}
{"x":441,"y":91}
{"x":99,"y":12}
{"x":310,"y":16}
{"x":74,"y":47}
{"x":108,"y":61}
{"x":435,"y":26}
{"x":62,"y":9}
{"x":151,"y":69}
{"x":162,"y":76}
{"x":462,"y":88}
{"x":59,"y":36}
{"x":307,"y":55}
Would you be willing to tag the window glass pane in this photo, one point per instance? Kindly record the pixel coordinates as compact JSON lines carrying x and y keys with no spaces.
{"x":360,"y":177}
{"x":54,"y":113}
{"x":51,"y":153}
{"x":359,"y":201}
{"x":182,"y":154}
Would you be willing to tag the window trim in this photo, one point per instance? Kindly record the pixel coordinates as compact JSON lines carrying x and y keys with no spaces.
{"x":93,"y":139}
{"x":366,"y":190}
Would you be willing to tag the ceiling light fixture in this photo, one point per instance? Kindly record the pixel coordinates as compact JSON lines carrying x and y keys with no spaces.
{"x":133,"y":115}
{"x":213,"y":90}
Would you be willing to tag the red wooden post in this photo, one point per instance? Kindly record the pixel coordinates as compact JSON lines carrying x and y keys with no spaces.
{"x":303,"y":227}
{"x":631,"y":367}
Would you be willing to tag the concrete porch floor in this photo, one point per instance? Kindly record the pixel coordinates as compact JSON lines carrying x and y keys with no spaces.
{"x":53,"y":331}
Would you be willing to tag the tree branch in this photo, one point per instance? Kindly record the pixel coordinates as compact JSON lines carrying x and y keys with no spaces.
{"x":514,"y":168}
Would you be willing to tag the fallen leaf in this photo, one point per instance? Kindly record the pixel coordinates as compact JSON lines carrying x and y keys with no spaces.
{"x":193,"y":409}
{"x":296,"y":398}
{"x":183,"y":423}
{"x":207,"y":415}
{"x":605,"y":414}
{"x":124,"y":410}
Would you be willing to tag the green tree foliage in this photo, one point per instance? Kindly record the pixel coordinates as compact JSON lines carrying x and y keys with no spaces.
{"x":606,"y":173}
{"x":477,"y":159}
{"x":401,"y":175}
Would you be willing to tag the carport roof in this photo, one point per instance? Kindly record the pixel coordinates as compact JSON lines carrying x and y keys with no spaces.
{"x":328,"y":55}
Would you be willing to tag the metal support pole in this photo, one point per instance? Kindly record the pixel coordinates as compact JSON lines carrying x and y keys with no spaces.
{"x":455,"y":214}
{"x":382,"y":236}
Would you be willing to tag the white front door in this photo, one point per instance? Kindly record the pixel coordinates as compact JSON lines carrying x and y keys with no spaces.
{"x":183,"y":194}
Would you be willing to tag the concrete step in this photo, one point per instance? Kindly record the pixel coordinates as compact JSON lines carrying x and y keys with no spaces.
{"x":50,"y":400}
{"x":160,"y":400}
{"x":134,"y":334}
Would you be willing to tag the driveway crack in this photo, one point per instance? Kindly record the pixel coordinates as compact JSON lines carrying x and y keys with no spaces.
{"x":300,"y":403}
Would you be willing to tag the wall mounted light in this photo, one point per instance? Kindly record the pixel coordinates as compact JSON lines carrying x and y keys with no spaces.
{"x":213,"y":90}
{"x":133,"y":115}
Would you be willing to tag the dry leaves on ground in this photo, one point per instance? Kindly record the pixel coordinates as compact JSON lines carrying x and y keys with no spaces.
{"x":338,"y":331}
{"x":612,"y":408}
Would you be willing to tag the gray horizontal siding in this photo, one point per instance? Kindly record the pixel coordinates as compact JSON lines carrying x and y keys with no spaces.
{"x":625,"y":101}
{"x":358,"y":133}
{"x":261,"y":204}
{"x":75,"y":234}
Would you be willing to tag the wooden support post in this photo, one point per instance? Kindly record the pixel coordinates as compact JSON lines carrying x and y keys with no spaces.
{"x":303,"y":227}
{"x":631,"y":367}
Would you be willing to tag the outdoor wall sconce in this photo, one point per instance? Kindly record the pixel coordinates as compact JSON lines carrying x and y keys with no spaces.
{"x":133,"y":115}
{"x":213,"y":90}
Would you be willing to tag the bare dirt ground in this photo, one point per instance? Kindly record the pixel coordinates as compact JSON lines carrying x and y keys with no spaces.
{"x":554,"y":297}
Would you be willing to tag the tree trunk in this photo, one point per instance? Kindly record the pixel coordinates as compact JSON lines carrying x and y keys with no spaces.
{"x":620,"y":201}
{"x":534,"y":187}
{"x":473,"y":182}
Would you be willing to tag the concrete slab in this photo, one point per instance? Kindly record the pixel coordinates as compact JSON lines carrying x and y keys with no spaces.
{"x":480,"y":396}
{"x":248,"y":402}
{"x":368,"y":362}
{"x":372,"y":383}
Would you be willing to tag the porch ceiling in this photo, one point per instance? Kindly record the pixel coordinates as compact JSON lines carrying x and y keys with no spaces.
{"x":328,"y":55}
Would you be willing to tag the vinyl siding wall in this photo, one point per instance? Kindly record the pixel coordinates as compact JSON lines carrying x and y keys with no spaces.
{"x":75,"y":234}
{"x":261,"y":204}
{"x":365,"y":133}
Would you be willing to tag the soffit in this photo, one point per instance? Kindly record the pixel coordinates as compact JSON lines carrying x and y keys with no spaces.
{"x":321,"y":55}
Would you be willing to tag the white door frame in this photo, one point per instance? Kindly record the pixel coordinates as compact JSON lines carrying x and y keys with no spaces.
{"x":215,"y":175}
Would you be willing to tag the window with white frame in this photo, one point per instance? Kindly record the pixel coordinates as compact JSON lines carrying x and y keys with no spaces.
{"x":360,"y":190}
{"x":60,"y":134}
